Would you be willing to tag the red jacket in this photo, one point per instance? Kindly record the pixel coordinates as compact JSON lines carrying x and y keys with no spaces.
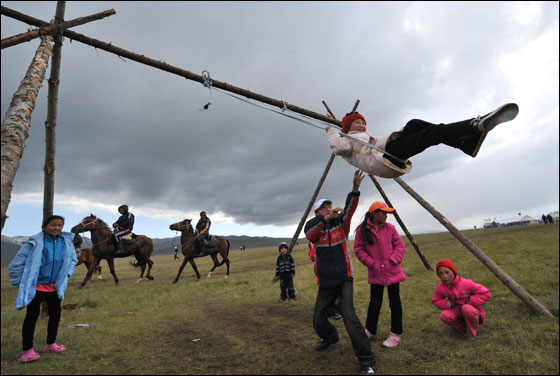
{"x":461,"y":291}
{"x":334,"y":264}
{"x":383,"y":258}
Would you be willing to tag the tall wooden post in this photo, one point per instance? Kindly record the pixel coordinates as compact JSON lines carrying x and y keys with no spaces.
{"x":50,"y":123}
{"x":17,"y":120}
{"x":519,"y":291}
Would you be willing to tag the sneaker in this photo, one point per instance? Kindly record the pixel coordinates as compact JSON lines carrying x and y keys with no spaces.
{"x":392,"y":341}
{"x":292,"y":299}
{"x":337,"y":316}
{"x":488,"y":122}
{"x":54,"y":348}
{"x":367,"y":370}
{"x":502,"y":114}
{"x":323,"y":344}
{"x":29,"y":356}
{"x":281,"y":299}
{"x":369,"y":335}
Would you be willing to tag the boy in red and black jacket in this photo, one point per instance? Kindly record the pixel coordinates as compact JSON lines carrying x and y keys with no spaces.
{"x":328,"y":231}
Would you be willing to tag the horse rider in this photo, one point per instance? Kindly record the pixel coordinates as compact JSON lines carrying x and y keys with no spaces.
{"x":202,"y":231}
{"x":122,"y":226}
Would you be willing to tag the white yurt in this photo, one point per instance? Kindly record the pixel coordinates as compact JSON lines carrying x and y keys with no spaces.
{"x":529,"y":220}
{"x":554,"y":216}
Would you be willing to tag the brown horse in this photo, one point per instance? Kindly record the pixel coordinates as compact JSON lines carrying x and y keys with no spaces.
{"x":85,"y":256}
{"x":188,"y":242}
{"x":103,"y":247}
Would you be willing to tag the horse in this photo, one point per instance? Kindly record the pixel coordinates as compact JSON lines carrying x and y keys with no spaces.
{"x":188,"y":242}
{"x":103,"y":248}
{"x":85,"y":256}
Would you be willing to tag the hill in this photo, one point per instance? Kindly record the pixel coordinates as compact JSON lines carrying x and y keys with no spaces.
{"x":163,"y":246}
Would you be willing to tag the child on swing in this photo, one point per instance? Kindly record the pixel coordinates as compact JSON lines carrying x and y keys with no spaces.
{"x":460,"y":300}
{"x":418,"y":135}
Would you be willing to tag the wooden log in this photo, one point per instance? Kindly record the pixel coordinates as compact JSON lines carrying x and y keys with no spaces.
{"x":51,"y":29}
{"x":318,"y":188}
{"x":519,"y":291}
{"x":401,"y":223}
{"x":170,"y":68}
{"x":17,"y":120}
{"x":52,"y":113}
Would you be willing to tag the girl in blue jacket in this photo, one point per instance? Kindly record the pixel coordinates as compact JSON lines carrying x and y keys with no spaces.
{"x":41,"y":270}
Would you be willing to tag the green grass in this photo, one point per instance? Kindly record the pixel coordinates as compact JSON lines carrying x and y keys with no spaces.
{"x":237,"y":325}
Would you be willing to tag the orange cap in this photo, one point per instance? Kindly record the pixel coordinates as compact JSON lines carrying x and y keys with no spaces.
{"x":380,"y":205}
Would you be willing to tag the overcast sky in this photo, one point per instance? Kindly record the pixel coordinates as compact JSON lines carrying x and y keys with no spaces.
{"x":131,"y":134}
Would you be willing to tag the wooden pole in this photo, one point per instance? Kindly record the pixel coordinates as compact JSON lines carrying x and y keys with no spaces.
{"x":25,"y":37}
{"x":401,"y":223}
{"x":169,"y":68}
{"x":52,"y":112}
{"x":318,"y":188}
{"x":519,"y":291}
{"x":17,"y":120}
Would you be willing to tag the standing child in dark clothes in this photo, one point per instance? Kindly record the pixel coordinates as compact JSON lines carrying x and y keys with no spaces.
{"x":285,"y":271}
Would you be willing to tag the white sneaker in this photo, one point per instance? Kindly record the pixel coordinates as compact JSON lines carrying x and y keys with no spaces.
{"x":392,"y":341}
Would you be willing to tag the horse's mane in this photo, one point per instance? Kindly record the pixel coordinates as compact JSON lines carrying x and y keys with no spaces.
{"x":102,"y":222}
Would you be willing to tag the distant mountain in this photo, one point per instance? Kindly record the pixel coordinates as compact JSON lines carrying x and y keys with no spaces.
{"x":165,"y":246}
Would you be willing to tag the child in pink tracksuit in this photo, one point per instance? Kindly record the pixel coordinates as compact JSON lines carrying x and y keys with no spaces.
{"x":460,"y":299}
{"x":380,"y":248}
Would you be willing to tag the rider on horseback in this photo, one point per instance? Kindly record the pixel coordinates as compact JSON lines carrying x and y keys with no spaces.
{"x":202,"y":231}
{"x":123,"y":226}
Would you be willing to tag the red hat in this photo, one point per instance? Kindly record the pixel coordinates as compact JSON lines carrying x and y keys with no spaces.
{"x":380,"y":205}
{"x":447,"y":263}
{"x":348,"y":119}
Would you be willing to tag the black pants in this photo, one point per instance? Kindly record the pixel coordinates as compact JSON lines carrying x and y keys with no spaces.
{"x":418,"y":135}
{"x":287,"y":285}
{"x":33,"y":311}
{"x":375,"y":303}
{"x":327,"y":331}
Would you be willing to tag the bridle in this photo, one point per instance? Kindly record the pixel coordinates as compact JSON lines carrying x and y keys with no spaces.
{"x":87,"y":224}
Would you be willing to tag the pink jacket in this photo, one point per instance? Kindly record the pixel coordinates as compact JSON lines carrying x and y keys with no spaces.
{"x":383,"y":258}
{"x":461,"y":291}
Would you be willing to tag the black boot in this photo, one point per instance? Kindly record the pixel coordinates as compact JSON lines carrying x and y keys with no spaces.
{"x":119,"y":252}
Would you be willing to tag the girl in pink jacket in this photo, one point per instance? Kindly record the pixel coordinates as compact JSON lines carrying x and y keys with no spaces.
{"x":380,"y":248}
{"x":460,"y":299}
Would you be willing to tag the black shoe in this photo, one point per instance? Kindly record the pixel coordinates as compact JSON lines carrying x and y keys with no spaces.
{"x":294,"y":299}
{"x":322,"y":344}
{"x":367,"y":370}
{"x":119,"y":253}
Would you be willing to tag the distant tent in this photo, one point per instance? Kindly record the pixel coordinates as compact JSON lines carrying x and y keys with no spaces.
{"x":527,"y":219}
{"x":554,"y":216}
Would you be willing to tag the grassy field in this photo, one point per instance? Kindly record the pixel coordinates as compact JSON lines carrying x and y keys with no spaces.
{"x":237,"y":325}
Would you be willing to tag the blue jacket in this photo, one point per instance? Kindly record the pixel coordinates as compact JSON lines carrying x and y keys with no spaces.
{"x":26,"y":265}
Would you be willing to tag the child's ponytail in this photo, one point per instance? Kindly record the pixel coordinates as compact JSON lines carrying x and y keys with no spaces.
{"x":364,"y":232}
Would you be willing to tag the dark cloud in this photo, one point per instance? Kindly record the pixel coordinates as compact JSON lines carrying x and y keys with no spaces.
{"x":131,"y":133}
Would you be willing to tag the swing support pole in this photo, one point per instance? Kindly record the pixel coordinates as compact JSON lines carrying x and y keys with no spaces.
{"x":319,"y":185}
{"x":401,"y":223}
{"x":519,"y":291}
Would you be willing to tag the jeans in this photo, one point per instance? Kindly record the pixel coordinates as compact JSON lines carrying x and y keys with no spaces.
{"x":327,"y":331}
{"x":33,"y":310}
{"x":375,"y":303}
{"x":418,"y":135}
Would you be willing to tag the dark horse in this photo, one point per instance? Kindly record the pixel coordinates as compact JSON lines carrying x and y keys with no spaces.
{"x":103,"y":247}
{"x":188,"y":241}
